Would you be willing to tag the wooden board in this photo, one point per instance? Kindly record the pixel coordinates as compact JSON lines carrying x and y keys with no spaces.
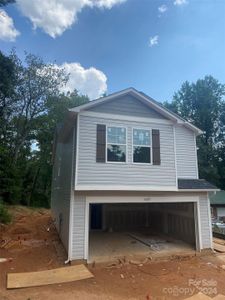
{"x":60,"y":275}
{"x":219,"y":241}
{"x":199,"y":296}
{"x":219,"y":297}
{"x":219,"y":248}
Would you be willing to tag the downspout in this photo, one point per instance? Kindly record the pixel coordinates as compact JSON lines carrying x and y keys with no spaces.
{"x":70,"y":228}
{"x":67,"y":261}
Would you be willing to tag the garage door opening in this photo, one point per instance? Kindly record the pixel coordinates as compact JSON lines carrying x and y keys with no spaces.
{"x":137,"y":230}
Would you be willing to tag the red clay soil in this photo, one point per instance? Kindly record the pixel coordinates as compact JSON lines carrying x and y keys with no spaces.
{"x":33,"y":248}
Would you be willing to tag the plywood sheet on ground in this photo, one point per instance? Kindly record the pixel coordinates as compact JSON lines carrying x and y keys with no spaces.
{"x":219,"y":241}
{"x":219,"y":297}
{"x":60,"y":275}
{"x":199,"y":296}
{"x":219,"y":248}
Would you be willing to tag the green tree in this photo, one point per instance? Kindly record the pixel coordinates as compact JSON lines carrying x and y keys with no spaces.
{"x":24,"y":92}
{"x":35,"y":83}
{"x":7,"y":86}
{"x":202,"y":103}
{"x":41,"y":166}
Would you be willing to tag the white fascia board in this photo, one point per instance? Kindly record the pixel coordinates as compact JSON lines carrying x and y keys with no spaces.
{"x":194,"y":128}
{"x":157,"y":107}
{"x":103,"y":187}
{"x":199,"y":190}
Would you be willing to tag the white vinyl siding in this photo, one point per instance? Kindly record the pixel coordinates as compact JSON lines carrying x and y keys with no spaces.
{"x":186,"y":153}
{"x":91,"y":173}
{"x":205,"y":221}
{"x":78,"y":230}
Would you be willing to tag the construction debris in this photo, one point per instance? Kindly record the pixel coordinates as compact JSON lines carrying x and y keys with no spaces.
{"x":3,"y":260}
{"x":154,"y":244}
{"x":138,"y":263}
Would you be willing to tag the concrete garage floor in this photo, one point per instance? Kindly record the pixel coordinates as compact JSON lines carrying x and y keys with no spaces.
{"x":107,"y":246}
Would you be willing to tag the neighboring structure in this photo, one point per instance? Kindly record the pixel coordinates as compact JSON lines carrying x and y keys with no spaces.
{"x":217,"y":202}
{"x":126,"y":162}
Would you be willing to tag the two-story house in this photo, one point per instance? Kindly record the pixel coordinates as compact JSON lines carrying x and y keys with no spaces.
{"x":125,"y":162}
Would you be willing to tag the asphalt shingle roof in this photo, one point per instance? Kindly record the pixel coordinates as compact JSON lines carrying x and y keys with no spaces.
{"x":195,"y":184}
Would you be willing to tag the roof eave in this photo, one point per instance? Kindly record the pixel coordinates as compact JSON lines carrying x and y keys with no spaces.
{"x":199,"y":190}
{"x":194,"y":128}
{"x":144,"y":98}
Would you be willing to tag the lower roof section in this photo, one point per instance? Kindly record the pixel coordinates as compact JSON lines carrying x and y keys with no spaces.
{"x":196,"y":184}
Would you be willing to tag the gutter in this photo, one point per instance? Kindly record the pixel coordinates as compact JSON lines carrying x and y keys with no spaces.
{"x":198,"y":190}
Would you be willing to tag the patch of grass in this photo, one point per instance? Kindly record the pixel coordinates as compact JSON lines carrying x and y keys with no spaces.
{"x":5,"y":216}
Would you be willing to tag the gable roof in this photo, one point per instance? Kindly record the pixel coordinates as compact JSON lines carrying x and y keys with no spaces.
{"x":143,"y":98}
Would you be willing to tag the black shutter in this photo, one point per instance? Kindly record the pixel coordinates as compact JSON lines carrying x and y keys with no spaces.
{"x":100,"y":143}
{"x":156,"y":147}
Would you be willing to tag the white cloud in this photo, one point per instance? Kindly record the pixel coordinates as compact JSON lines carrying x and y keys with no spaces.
{"x":162,"y":9}
{"x":91,"y":82}
{"x":106,"y":3}
{"x":153,"y":41}
{"x":7,"y":30}
{"x":55,"y":16}
{"x":180,"y":2}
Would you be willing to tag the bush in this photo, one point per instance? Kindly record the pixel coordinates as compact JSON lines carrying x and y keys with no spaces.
{"x":5,"y":216}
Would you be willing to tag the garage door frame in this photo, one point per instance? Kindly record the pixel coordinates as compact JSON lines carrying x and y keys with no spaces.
{"x":140,"y":199}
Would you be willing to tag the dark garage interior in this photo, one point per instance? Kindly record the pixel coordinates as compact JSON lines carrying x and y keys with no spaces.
{"x":133,"y":229}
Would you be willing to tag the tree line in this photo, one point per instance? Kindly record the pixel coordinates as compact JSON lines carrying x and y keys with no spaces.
{"x":202,"y":103}
{"x":31,"y":105}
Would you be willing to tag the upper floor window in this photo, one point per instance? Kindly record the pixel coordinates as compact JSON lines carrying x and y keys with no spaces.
{"x":141,"y":146}
{"x":116,"y":144}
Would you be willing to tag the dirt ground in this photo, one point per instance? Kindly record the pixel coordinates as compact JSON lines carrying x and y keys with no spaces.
{"x":30,"y":246}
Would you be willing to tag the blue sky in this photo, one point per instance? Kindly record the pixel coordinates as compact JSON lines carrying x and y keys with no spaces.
{"x":113,"y":37}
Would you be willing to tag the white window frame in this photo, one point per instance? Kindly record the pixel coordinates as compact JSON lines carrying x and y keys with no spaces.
{"x":151,"y":158}
{"x":106,"y":145}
